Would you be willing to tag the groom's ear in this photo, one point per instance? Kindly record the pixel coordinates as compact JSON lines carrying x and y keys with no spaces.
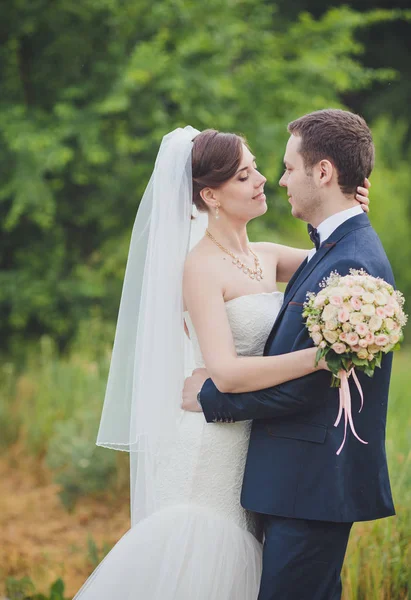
{"x":325,"y":172}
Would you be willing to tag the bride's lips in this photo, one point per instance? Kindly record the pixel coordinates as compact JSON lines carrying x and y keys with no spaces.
{"x":260,"y":196}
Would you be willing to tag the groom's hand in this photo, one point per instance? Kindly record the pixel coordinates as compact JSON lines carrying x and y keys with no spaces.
{"x":192,"y":385}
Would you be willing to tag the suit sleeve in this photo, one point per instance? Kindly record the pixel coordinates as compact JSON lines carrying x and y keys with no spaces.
{"x":292,"y":397}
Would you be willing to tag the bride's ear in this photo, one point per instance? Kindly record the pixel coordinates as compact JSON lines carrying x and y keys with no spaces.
{"x":209,"y":197}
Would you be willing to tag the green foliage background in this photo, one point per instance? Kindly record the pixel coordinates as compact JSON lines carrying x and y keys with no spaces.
{"x":89,"y":89}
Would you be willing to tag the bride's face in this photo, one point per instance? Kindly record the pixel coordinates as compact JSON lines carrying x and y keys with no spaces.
{"x":242,"y":197}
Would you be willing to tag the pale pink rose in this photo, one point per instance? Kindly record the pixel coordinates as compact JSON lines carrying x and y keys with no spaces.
{"x":389,"y":310}
{"x":331,"y":325}
{"x":319,"y":301}
{"x":329,"y":312}
{"x":380,"y":311}
{"x":382,"y":340}
{"x":380,"y":298}
{"x":397,"y":326}
{"x":356,"y":303}
{"x":323,"y":344}
{"x":356,"y":348}
{"x":315,"y":328}
{"x":369,"y":338}
{"x":336,"y":301}
{"x":343,"y":336}
{"x":330,"y":336}
{"x":362,"y":353}
{"x":343,"y":315}
{"x":352,"y":339}
{"x":348,"y":281}
{"x":368,"y":310}
{"x":368,"y":297}
{"x":356,"y":318}
{"x":346,"y":327}
{"x":394,"y":338}
{"x":361,"y":329}
{"x":363,"y":343}
{"x":389,"y":324}
{"x":339,"y":348}
{"x":317,"y":338}
{"x":375,"y":323}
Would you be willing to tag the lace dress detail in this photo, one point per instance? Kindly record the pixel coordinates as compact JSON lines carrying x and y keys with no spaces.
{"x":200,"y":544}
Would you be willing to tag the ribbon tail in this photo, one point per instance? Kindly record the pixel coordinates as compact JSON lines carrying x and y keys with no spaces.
{"x":345,"y":405}
{"x":359,"y":388}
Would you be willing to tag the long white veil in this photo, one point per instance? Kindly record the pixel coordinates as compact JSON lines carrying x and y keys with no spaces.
{"x":151,"y":353}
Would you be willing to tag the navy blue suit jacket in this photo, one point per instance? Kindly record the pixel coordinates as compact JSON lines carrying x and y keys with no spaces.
{"x":292,"y":469}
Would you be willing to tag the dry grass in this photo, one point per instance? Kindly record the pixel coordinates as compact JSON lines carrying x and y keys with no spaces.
{"x":39,"y":538}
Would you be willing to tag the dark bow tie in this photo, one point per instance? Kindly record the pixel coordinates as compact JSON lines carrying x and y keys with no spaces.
{"x":314,"y":235}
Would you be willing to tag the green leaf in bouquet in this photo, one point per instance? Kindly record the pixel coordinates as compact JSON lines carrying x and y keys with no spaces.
{"x":320,"y":353}
{"x":334,"y":361}
{"x":359,"y":362}
{"x":346,"y":361}
{"x":377,"y":359}
{"x":369,"y":371}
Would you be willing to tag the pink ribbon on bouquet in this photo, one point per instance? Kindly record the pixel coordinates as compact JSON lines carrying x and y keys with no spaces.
{"x":345,"y":405}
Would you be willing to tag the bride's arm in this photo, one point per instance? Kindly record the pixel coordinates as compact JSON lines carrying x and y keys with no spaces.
{"x":231,"y":373}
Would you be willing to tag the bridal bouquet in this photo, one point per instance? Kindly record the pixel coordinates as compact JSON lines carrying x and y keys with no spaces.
{"x":354,"y":320}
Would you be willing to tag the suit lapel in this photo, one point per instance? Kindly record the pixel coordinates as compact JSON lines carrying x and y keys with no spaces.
{"x":306,"y":268}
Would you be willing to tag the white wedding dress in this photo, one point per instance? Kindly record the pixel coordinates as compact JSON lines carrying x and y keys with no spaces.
{"x":201,"y":544}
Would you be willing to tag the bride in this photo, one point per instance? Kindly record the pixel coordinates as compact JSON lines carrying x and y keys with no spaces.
{"x":186,"y":277}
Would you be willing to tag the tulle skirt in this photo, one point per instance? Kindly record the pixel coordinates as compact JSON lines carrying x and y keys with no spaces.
{"x":184,"y":552}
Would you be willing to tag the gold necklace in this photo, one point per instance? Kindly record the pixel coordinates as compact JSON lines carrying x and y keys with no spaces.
{"x":256,"y":273}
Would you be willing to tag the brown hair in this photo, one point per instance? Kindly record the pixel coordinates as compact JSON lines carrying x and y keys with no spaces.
{"x":216,"y":157}
{"x":341,"y":137}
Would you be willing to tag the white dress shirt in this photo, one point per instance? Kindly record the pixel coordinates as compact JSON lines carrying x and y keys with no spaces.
{"x":327,"y":227}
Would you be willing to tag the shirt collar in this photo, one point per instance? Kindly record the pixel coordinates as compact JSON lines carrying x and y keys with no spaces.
{"x":327,"y":227}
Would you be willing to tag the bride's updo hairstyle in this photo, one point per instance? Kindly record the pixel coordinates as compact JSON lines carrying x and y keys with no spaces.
{"x":215,"y":159}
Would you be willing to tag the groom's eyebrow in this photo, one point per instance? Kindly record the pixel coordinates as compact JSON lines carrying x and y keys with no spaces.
{"x":244,"y":168}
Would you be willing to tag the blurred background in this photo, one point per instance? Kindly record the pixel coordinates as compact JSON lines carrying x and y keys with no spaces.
{"x":88,"y":89}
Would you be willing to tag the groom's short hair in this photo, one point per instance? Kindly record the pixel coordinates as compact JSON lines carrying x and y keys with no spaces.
{"x":341,"y":137}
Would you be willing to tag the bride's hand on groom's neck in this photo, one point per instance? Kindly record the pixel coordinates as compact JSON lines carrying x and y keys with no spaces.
{"x":362,"y":195}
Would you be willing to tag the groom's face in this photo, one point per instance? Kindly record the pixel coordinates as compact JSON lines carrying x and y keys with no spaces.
{"x":303,"y":194}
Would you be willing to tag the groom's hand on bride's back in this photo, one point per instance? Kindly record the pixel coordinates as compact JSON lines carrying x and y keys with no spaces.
{"x":192,"y":386}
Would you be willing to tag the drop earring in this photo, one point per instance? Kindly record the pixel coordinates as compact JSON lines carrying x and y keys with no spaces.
{"x":217,"y":216}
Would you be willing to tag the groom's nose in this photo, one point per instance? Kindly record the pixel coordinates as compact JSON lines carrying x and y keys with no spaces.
{"x":282,"y":181}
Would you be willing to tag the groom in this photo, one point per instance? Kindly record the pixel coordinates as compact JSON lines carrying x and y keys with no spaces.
{"x":307,"y":496}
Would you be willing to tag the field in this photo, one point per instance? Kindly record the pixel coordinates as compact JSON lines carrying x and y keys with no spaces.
{"x":64,"y":502}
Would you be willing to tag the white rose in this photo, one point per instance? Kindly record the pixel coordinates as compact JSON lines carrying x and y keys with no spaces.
{"x":389,"y":324}
{"x":331,"y":325}
{"x":330,"y":336}
{"x":375,"y":323}
{"x":317,"y":338}
{"x":368,"y":310}
{"x":329,"y":312}
{"x":368,"y":298}
{"x":363,"y":353}
{"x":356,"y":318}
{"x":380,"y":298}
{"x":374,"y":349}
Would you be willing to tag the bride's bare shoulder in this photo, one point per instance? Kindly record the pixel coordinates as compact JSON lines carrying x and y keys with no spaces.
{"x":201,"y":258}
